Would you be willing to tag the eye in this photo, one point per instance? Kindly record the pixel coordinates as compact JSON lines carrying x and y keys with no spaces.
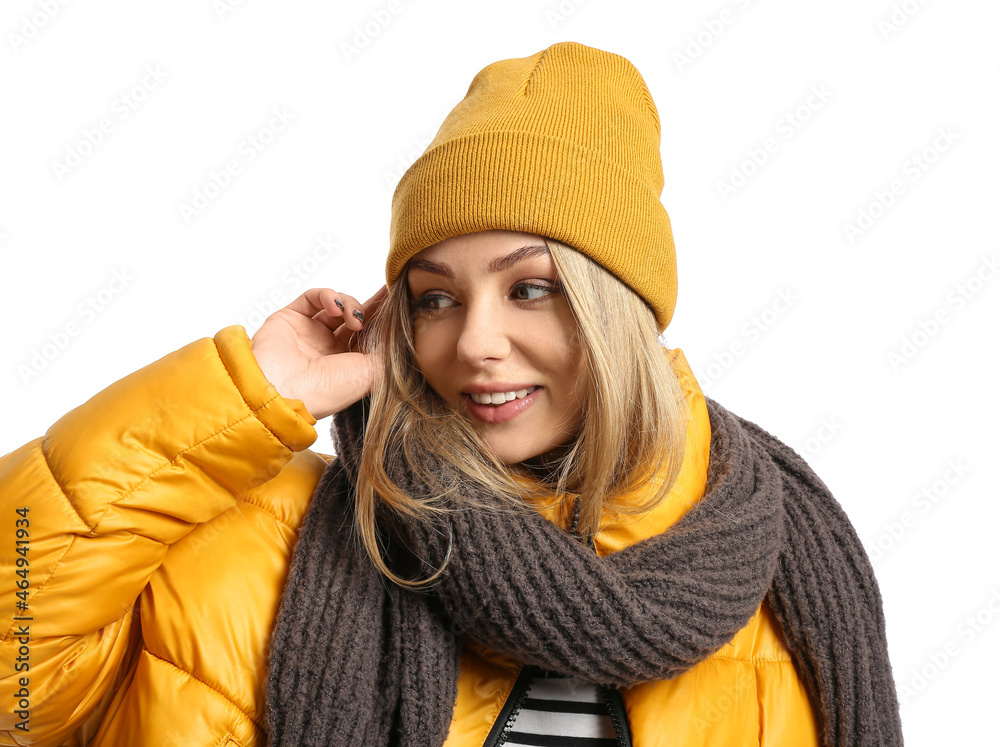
{"x":532,"y":291}
{"x":432,"y":302}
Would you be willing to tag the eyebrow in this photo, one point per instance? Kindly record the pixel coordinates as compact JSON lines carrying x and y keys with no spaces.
{"x":525,"y":252}
{"x":497,"y":265}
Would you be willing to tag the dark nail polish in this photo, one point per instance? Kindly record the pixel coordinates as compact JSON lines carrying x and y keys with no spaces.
{"x":359,"y":316}
{"x":339,"y":304}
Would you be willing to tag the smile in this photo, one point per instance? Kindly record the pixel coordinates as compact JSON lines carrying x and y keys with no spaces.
{"x":508,"y":405}
{"x":499,"y":398}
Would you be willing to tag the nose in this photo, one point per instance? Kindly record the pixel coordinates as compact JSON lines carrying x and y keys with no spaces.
{"x":484,"y":336}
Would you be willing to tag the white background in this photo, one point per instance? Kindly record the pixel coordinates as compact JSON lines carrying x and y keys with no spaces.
{"x":817,"y":371}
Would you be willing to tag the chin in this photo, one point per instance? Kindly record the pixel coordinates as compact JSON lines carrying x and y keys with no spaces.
{"x":515,"y":450}
{"x":511,"y":455}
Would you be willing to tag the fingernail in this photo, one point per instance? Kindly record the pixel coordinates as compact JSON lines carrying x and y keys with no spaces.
{"x":359,"y":316}
{"x":339,"y":304}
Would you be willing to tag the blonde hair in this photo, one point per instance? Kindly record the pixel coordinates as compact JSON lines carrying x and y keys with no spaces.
{"x":632,"y":433}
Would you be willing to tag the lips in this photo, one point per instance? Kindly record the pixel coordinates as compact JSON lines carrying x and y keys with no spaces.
{"x":501,"y":396}
{"x":500,"y":413}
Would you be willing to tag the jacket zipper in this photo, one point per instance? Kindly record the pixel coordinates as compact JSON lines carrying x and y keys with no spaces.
{"x":616,"y":709}
{"x":511,"y":707}
{"x":518,"y":694}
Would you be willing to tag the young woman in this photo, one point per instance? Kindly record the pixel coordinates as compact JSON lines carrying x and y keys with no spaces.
{"x":536,"y":530}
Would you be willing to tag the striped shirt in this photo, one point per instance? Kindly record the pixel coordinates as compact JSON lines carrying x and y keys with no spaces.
{"x":562,"y":711}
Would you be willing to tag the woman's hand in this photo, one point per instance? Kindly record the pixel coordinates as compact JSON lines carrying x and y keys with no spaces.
{"x":308,"y":350}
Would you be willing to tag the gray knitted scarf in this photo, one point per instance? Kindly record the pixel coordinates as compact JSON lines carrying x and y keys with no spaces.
{"x":356,"y":660}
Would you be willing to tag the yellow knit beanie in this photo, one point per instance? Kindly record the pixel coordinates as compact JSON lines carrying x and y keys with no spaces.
{"x":564,"y":144}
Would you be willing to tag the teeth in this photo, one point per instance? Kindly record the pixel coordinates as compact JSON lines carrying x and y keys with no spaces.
{"x":499,"y":398}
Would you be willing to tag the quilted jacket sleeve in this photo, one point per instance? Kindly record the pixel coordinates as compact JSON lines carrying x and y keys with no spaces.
{"x":100,"y":498}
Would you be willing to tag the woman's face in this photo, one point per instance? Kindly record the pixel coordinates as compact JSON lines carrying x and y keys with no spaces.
{"x":496,"y":339}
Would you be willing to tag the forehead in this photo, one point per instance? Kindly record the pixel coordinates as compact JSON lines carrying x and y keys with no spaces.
{"x":478,"y":255}
{"x":482,"y":244}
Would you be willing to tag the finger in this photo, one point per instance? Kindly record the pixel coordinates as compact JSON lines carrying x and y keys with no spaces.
{"x":350,"y":334}
{"x":333,"y":323}
{"x":329,"y":307}
{"x":313,"y":301}
{"x":348,"y":337}
{"x":371,"y":307}
{"x":346,"y":316}
{"x":351,"y":310}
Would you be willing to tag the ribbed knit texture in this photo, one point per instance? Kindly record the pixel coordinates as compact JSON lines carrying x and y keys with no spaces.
{"x":564,"y":144}
{"x":356,"y":660}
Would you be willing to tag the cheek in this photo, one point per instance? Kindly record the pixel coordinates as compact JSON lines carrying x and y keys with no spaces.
{"x":574,"y":378}
{"x":430,"y":349}
{"x":562,"y":349}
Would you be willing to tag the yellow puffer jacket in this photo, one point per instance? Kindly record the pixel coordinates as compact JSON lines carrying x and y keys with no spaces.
{"x":157,"y":521}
